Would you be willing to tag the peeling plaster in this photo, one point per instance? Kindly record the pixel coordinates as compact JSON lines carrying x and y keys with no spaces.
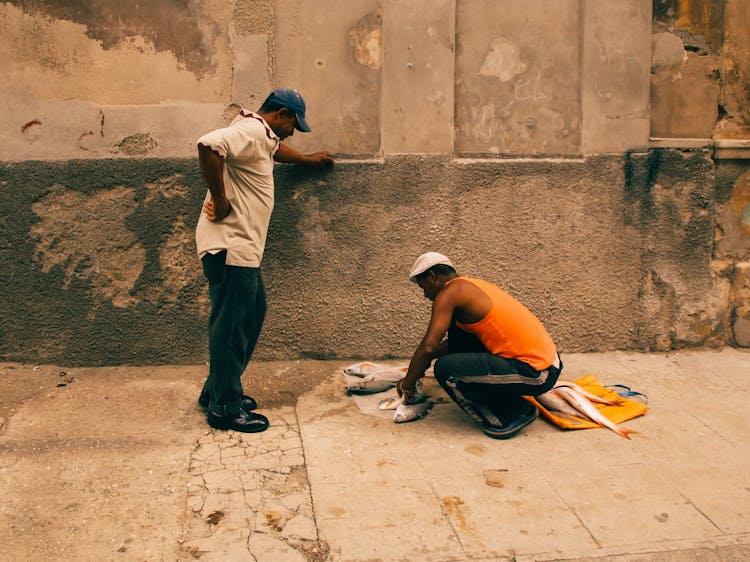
{"x":115,"y":54}
{"x":178,"y":265}
{"x":86,"y":235}
{"x":667,"y":52}
{"x":366,"y":40}
{"x":741,"y":290}
{"x":717,"y":31}
{"x":503,"y":60}
{"x":140,"y":143}
{"x":740,"y":201}
{"x":732,"y":230}
{"x":175,"y":26}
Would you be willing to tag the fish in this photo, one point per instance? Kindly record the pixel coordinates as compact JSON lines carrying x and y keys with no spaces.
{"x":417,"y":408}
{"x":552,"y":401}
{"x":390,"y":403}
{"x":585,"y":407}
{"x":373,"y":371}
{"x":394,"y":403}
{"x":410,"y":412}
{"x":360,"y":369}
{"x":368,"y":386}
{"x":591,"y":396}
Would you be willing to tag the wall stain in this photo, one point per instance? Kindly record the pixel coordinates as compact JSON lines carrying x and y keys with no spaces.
{"x":176,"y":26}
{"x":366,"y":40}
{"x":84,"y":135}
{"x":30,"y":124}
{"x":179,"y":268}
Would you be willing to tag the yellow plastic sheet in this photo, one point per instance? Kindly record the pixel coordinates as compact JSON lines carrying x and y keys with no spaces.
{"x":622,"y":410}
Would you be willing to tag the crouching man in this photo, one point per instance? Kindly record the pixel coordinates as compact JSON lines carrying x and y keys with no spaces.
{"x":495,"y":353}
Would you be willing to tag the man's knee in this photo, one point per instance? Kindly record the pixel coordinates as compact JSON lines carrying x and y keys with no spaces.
{"x":442,"y":369}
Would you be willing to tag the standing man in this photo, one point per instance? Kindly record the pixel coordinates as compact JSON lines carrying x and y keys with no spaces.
{"x":237,"y":164}
{"x":497,"y":351}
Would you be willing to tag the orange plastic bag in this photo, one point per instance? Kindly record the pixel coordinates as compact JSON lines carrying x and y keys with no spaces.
{"x":622,"y":410}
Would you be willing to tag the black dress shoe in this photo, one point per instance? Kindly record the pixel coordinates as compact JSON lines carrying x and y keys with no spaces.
{"x":245,"y":422}
{"x":248,"y":402}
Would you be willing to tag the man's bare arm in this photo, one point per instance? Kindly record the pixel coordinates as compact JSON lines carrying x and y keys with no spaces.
{"x":212,"y":167}
{"x":432,"y":344}
{"x":287,"y":155}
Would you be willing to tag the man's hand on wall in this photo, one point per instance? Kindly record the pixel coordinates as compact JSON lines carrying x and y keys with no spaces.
{"x":319,"y":159}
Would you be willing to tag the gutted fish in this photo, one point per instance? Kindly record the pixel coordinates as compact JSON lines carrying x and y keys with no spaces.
{"x":410,"y":412}
{"x":368,"y":386}
{"x":394,"y":403}
{"x":417,"y":407}
{"x":585,"y":407}
{"x":373,"y":371}
{"x":555,"y":403}
{"x":360,"y":369}
{"x":591,"y":396}
{"x":389,"y":403}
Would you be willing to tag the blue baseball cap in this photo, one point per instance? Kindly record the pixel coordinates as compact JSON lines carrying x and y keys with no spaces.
{"x":292,"y":100}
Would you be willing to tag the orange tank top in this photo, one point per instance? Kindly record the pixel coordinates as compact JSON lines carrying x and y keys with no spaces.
{"x":510,"y":329}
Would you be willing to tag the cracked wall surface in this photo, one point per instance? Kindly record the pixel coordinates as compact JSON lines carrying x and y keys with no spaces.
{"x":701,"y":69}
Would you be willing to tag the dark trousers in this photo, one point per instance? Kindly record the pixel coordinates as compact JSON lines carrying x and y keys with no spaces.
{"x":488,"y":387}
{"x":238,"y":307}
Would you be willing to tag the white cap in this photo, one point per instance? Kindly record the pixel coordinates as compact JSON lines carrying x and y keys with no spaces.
{"x":426,"y":261}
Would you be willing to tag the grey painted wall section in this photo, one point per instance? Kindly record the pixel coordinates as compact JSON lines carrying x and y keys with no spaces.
{"x":616,"y":75}
{"x":339,"y":69}
{"x":517,"y":79}
{"x":418,"y":76}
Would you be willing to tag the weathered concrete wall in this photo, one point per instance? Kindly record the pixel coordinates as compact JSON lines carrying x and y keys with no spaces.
{"x":731,"y":267}
{"x":701,"y":69}
{"x":103,"y":268}
{"x":85,"y":80}
{"x":518,"y":137}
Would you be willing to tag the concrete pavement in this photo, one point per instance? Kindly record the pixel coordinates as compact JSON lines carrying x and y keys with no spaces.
{"x":92,"y":470}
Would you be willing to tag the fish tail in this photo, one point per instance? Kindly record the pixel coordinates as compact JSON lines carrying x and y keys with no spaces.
{"x":624,"y":432}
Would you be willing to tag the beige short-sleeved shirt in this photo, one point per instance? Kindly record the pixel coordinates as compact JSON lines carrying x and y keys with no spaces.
{"x":247,"y":145}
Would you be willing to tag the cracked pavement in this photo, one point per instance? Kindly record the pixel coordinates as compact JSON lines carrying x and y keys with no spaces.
{"x":249,"y":497}
{"x":117,"y":463}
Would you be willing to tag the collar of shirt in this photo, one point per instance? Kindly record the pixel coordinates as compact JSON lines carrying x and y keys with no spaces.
{"x":253,"y":115}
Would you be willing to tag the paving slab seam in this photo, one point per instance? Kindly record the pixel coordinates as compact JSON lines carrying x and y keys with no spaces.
{"x":572,"y":509}
{"x":444,"y":509}
{"x":683,"y":546}
{"x":248,"y":497}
